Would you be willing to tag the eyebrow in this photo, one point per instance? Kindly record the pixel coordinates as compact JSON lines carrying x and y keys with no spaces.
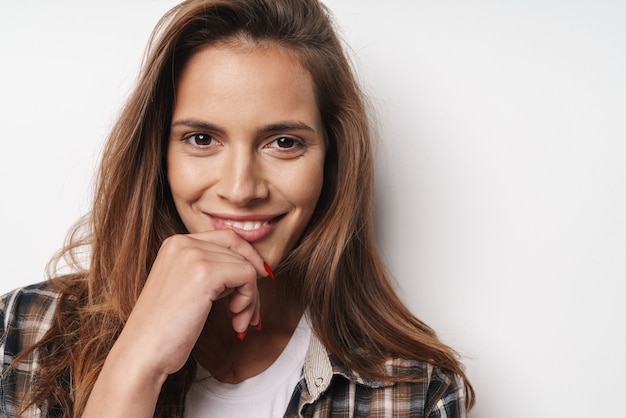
{"x":287,"y":126}
{"x":274,"y":127}
{"x":196,"y":124}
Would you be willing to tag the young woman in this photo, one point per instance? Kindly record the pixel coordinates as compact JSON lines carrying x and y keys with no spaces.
{"x":232,"y":267}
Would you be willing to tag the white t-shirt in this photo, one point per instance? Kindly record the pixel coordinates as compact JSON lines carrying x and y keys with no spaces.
{"x":264,"y":395}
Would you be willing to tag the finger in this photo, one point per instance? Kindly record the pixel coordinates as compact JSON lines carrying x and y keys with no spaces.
{"x":233,"y":242}
{"x":224,"y":293}
{"x":244,"y":306}
{"x":216,"y":247}
{"x":243,"y":298}
{"x":255,"y":321}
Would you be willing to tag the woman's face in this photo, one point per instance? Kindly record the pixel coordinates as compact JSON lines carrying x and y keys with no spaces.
{"x":246,"y":148}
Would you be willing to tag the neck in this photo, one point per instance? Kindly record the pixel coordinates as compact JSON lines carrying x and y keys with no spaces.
{"x":230,"y":360}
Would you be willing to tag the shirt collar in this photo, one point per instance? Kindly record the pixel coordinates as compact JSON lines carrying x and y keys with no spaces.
{"x":320,"y":367}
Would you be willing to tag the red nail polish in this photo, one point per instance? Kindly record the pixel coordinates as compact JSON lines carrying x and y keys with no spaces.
{"x":269,"y":271}
{"x":258,"y":326}
{"x":241,"y":335}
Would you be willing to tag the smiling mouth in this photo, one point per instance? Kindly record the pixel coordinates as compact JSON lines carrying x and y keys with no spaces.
{"x":245,"y":225}
{"x":251,"y":230}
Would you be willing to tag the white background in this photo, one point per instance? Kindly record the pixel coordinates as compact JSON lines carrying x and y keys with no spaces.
{"x":501,"y":185}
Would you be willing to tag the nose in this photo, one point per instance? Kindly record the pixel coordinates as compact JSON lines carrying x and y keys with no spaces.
{"x":242,"y":179}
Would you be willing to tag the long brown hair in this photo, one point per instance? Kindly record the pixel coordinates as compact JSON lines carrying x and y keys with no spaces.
{"x":335,"y":269}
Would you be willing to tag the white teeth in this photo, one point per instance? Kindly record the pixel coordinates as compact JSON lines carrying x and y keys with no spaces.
{"x":246,"y":226}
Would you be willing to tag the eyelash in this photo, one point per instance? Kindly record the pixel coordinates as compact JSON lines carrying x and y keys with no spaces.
{"x":295,"y":144}
{"x":191,"y":139}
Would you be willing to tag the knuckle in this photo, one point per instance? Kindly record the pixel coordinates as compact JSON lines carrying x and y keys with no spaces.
{"x":181,"y":249}
{"x":196,"y":269}
{"x":250,"y":272}
{"x":174,"y":242}
{"x":188,"y":256}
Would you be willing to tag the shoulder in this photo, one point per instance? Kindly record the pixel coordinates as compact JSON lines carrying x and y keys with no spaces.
{"x":39,"y":294}
{"x":413,"y":388}
{"x":25,"y":316}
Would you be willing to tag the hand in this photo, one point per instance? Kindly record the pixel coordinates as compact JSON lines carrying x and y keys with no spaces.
{"x":189,"y":274}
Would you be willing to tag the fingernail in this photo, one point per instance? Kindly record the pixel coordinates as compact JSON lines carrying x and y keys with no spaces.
{"x":241,"y":335}
{"x":258,"y":326}
{"x":269,"y":271}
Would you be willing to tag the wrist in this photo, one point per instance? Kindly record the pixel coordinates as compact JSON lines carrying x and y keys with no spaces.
{"x":128,"y":385}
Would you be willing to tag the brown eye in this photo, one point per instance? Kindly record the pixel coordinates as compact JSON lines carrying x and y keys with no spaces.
{"x":285,"y":142}
{"x":200,"y":139}
{"x":286,"y":146}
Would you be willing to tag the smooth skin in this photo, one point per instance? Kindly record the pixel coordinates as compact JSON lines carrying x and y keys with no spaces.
{"x":245,"y":165}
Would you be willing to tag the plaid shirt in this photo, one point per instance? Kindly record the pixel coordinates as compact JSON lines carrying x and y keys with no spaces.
{"x":327,"y":388}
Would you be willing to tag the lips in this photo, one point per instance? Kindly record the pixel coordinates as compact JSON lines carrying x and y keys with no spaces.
{"x":250,"y":228}
{"x":245,"y":225}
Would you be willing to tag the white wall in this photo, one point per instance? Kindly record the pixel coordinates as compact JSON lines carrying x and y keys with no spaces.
{"x":501,"y":172}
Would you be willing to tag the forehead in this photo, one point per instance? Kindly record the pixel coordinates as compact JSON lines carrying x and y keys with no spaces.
{"x":235,"y":84}
{"x":245,"y":46}
{"x":245,"y":58}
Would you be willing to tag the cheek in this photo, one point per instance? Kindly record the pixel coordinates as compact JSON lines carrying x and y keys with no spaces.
{"x":182,"y":179}
{"x":174,"y":178}
{"x":306,"y":190}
